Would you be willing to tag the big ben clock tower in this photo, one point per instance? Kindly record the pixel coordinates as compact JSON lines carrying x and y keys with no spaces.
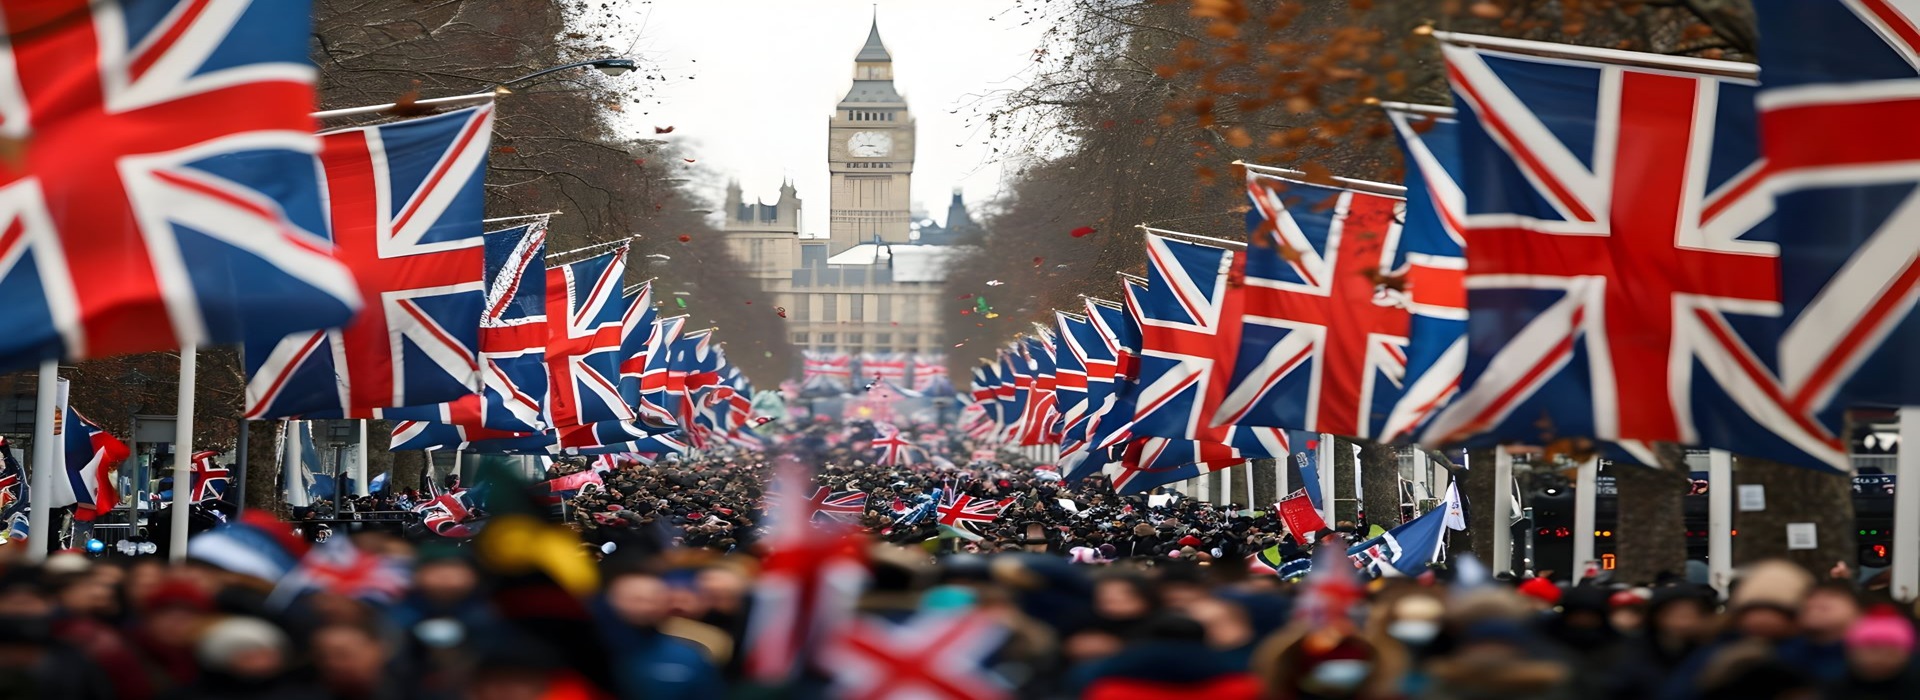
{"x":870,"y":154}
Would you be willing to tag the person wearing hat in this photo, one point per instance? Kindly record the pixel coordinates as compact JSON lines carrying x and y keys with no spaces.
{"x":1880,"y":663}
{"x":245,"y":658}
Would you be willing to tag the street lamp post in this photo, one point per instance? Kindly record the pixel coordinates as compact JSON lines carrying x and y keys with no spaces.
{"x":608,"y":66}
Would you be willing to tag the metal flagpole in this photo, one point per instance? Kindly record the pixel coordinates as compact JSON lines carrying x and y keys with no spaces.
{"x":1585,"y":492}
{"x":238,"y":484}
{"x":1906,"y":508}
{"x":1324,"y":455}
{"x":1502,"y":558}
{"x":360,"y":463}
{"x":45,"y":410}
{"x":1720,"y":490}
{"x":182,"y":450}
{"x":1421,"y":469}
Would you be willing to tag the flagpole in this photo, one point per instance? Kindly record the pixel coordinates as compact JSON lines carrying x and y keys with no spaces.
{"x":1502,"y":556}
{"x":360,"y":462}
{"x":1585,"y":492}
{"x":1906,"y":508}
{"x":1425,"y":473}
{"x":1720,"y":519}
{"x":1324,"y":456}
{"x":182,"y":448}
{"x":238,"y":484}
{"x":44,"y":409}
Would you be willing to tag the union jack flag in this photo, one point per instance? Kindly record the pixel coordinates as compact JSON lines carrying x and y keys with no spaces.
{"x":1070,"y":377}
{"x":464,"y":432}
{"x":14,"y":499}
{"x":1320,"y":346}
{"x":1150,"y":462}
{"x":403,"y":206}
{"x":583,"y":341}
{"x":930,"y":375}
{"x":1043,"y":403}
{"x":158,"y":132}
{"x":340,"y":567}
{"x":1111,"y":423}
{"x":692,"y":366}
{"x":1835,"y":114}
{"x":448,"y":515}
{"x":513,"y":341}
{"x":1433,"y":266}
{"x":654,"y":401}
{"x":844,"y":506}
{"x":1188,"y":316}
{"x":1609,"y":213}
{"x":210,"y":479}
{"x":92,"y":456}
{"x":931,"y":655}
{"x":807,"y":589}
{"x":966,"y":513}
{"x":826,"y":371}
{"x":889,"y":368}
{"x":640,"y":335}
{"x":893,"y":446}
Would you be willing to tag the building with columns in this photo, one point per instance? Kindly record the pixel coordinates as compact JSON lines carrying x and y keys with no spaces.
{"x":873,"y":282}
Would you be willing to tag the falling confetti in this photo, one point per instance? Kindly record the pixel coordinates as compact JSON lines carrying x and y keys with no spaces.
{"x":991,"y":314}
{"x":684,"y":238}
{"x":965,"y":297}
{"x":1084,"y":231}
{"x":966,"y":312}
{"x":994,"y":283}
{"x":780,"y":311}
{"x":1039,"y":261}
{"x":763,"y":420}
{"x":749,"y":303}
{"x":690,"y":160}
{"x":960,"y":344}
{"x":663,"y":129}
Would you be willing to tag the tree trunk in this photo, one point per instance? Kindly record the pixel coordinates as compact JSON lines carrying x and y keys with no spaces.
{"x":1795,"y":495}
{"x":263,"y":466}
{"x":407,"y":468}
{"x":1477,"y":488}
{"x":1380,"y":477}
{"x":1346,"y":503}
{"x":1647,"y":538}
{"x":1266,"y":483}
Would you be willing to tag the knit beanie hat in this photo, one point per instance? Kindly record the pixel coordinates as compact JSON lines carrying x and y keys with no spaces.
{"x":1882,"y":628}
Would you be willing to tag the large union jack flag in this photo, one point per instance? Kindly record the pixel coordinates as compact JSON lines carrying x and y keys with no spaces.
{"x":1188,"y":317}
{"x":655,"y":405}
{"x":826,"y":370}
{"x":889,"y":368}
{"x":1322,"y":347}
{"x":1072,"y":333}
{"x":583,"y":342}
{"x":513,"y":340}
{"x":161,"y":191}
{"x":404,"y":207}
{"x":1433,"y":266}
{"x":1837,"y":110}
{"x":1613,"y":260}
{"x":933,"y":655}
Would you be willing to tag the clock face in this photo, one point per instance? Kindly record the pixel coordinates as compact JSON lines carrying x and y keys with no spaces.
{"x":870,"y":144}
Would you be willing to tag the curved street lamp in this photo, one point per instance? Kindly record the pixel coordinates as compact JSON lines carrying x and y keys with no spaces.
{"x":609,"y":66}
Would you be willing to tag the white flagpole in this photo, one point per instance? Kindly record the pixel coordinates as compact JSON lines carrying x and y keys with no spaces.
{"x":1720,"y":519}
{"x":1585,"y":491}
{"x":1906,"y":508}
{"x":360,"y":463}
{"x":1325,"y":457}
{"x":182,"y":449}
{"x":45,"y":410}
{"x":1425,"y":472}
{"x":1502,"y":498}
{"x":1280,"y":480}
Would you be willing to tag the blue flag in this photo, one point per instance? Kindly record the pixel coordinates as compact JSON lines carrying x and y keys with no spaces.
{"x":1404,"y":550}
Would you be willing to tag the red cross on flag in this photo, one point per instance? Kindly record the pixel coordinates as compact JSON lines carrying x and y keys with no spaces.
{"x":932,"y":656}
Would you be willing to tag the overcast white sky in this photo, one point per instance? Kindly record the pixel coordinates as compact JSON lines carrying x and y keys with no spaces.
{"x":751,"y":83}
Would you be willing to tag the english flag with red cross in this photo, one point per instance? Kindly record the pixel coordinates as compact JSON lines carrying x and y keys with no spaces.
{"x":165,"y":192}
{"x":1623,"y":279}
{"x":404,"y":207}
{"x":1837,"y":108}
{"x":1321,"y":346}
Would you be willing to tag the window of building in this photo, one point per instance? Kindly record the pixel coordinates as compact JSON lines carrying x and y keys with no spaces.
{"x":856,"y":338}
{"x":828,"y":338}
{"x":803,"y":311}
{"x":800,"y":339}
{"x":829,"y":307}
{"x":883,"y":339}
{"x":885,"y":309}
{"x":909,"y":339}
{"x":858,"y":310}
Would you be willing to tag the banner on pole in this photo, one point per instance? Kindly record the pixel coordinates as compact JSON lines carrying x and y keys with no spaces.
{"x":1298,"y":514}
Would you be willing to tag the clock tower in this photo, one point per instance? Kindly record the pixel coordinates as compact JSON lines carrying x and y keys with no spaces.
{"x":870,"y":154}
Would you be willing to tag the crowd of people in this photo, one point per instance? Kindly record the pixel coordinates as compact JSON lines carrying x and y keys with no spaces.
{"x":1097,"y":596}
